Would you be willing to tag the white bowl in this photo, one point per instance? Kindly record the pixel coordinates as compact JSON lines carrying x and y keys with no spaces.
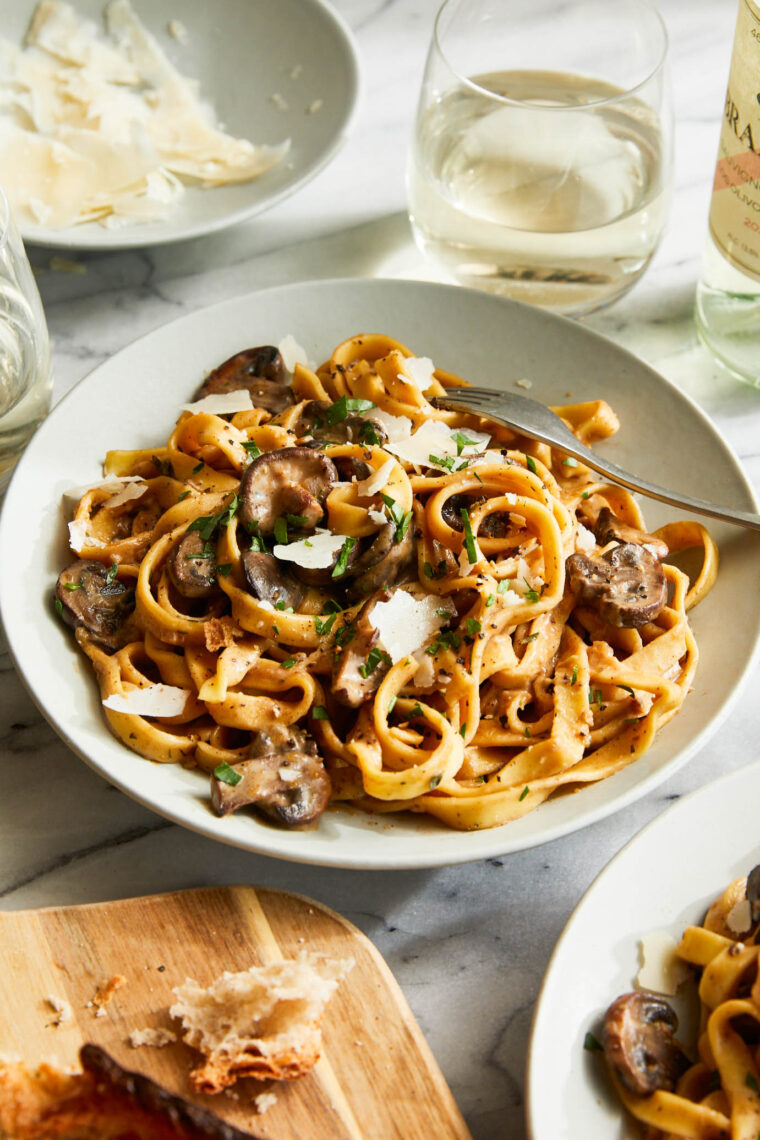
{"x":132,"y":401}
{"x":242,"y":52}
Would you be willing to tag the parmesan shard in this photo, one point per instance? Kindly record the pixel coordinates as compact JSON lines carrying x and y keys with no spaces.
{"x":154,"y":700}
{"x":584,"y":540}
{"x":377,"y":480}
{"x":405,"y":623}
{"x":222,"y":403}
{"x":313,"y":553}
{"x":739,"y":918}
{"x":112,"y":483}
{"x":434,"y":438}
{"x":395,"y":427}
{"x":661,"y":970}
{"x":418,"y":371}
{"x":292,"y":353}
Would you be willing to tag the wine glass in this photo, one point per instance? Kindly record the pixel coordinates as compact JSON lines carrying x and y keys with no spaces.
{"x":25,"y":376}
{"x":541,"y":160}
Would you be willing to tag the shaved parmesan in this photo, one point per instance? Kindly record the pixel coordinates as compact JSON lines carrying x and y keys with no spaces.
{"x":510,"y":598}
{"x":488,"y":456}
{"x":126,"y":495}
{"x":377,"y":480}
{"x":395,"y":427}
{"x":378,"y":517}
{"x":79,"y":538}
{"x":314,"y":553}
{"x":292,"y":353}
{"x":739,"y":918}
{"x":661,"y":970}
{"x":93,"y":129}
{"x":435,"y":438}
{"x":154,"y":700}
{"x":418,"y":370}
{"x":222,"y":403}
{"x":465,"y":566}
{"x":405,"y":623}
{"x":111,"y":483}
{"x":584,"y":540}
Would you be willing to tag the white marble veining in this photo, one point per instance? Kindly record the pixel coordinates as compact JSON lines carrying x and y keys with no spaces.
{"x":468,"y":944}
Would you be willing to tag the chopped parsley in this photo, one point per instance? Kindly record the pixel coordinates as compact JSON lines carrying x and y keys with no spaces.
{"x":531,"y":464}
{"x":227,"y":774}
{"x":392,"y":703}
{"x":252,"y":448}
{"x":585,"y":494}
{"x":490,"y":599}
{"x":469,"y":538}
{"x":296,"y":520}
{"x":368,"y":434}
{"x":319,"y":712}
{"x":751,"y":1082}
{"x":463,"y":731}
{"x":183,"y":496}
{"x":341,"y":408}
{"x":397,"y":516}
{"x":342,"y":564}
{"x":435,"y":781}
{"x":198,"y":467}
{"x":324,"y":626}
{"x":569,"y":462}
{"x":531,"y":595}
{"x":281,"y":531}
{"x":575,"y":675}
{"x":288,"y":663}
{"x":504,"y":585}
{"x":531,"y":637}
{"x":283,"y":608}
{"x":447,"y":639}
{"x":73,"y":585}
{"x":627,"y":688}
{"x":113,"y":570}
{"x":224,"y":569}
{"x":592,"y":1044}
{"x":58,"y":607}
{"x":462,"y":441}
{"x":207,"y":524}
{"x":473,"y":626}
{"x":374,"y":658}
{"x":526,"y":789}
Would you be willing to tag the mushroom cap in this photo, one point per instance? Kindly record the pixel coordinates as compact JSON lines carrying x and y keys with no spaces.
{"x":495,"y":525}
{"x":609,"y":528}
{"x":268,"y":581}
{"x":639,"y":1044}
{"x":191,"y":571}
{"x":626,"y":585}
{"x":313,"y":421}
{"x":350,"y":687}
{"x":287,"y":481}
{"x":91,"y":602}
{"x":260,"y":370}
{"x":382,"y":562}
{"x":289,"y":785}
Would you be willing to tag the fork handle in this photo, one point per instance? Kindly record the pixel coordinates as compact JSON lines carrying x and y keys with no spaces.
{"x":653,"y":491}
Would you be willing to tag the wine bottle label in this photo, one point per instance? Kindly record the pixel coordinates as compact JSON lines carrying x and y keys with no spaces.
{"x":735,"y":207}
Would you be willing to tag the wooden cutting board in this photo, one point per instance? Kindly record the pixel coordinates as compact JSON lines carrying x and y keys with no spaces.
{"x":376,"y":1079}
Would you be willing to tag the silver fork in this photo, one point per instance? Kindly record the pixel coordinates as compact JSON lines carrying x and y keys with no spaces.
{"x":539,"y":422}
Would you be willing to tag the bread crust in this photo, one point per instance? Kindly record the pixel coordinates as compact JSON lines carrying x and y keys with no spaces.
{"x":103,"y":1102}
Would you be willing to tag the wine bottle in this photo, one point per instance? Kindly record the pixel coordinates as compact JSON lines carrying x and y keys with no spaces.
{"x":728,"y":294}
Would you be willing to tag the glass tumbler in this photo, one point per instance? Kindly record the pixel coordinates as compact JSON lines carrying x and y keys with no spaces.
{"x":25,"y":378}
{"x":541,"y":160}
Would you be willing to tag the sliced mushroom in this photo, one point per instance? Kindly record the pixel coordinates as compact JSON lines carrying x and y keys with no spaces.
{"x":753,"y":893}
{"x":290,"y":481}
{"x":269,"y":582}
{"x":313,"y":421}
{"x":382,"y":563}
{"x":91,"y":601}
{"x":282,"y":738}
{"x":639,"y":1045}
{"x":626,"y":585}
{"x":289,"y":785}
{"x":495,"y":525}
{"x":609,"y":528}
{"x":360,"y":666}
{"x":261,"y":370}
{"x":191,"y":568}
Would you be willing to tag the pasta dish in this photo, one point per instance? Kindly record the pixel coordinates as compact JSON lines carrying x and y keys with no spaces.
{"x":716,"y":1095}
{"x":323,"y":587}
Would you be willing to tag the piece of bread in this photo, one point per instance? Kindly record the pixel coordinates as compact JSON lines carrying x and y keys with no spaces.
{"x":263,"y":1022}
{"x":103,"y":1102}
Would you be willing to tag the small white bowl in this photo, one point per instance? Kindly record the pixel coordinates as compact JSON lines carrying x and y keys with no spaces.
{"x":253,"y":59}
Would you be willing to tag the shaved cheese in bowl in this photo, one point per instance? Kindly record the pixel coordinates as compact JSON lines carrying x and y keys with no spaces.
{"x":222,"y":403}
{"x":405,"y":623}
{"x":96,"y":129}
{"x":154,"y":700}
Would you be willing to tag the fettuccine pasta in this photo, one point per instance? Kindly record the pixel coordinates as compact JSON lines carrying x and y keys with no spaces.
{"x":345,"y":593}
{"x":714,"y":1095}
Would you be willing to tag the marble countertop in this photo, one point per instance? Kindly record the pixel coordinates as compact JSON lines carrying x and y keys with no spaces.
{"x":469,"y":944}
